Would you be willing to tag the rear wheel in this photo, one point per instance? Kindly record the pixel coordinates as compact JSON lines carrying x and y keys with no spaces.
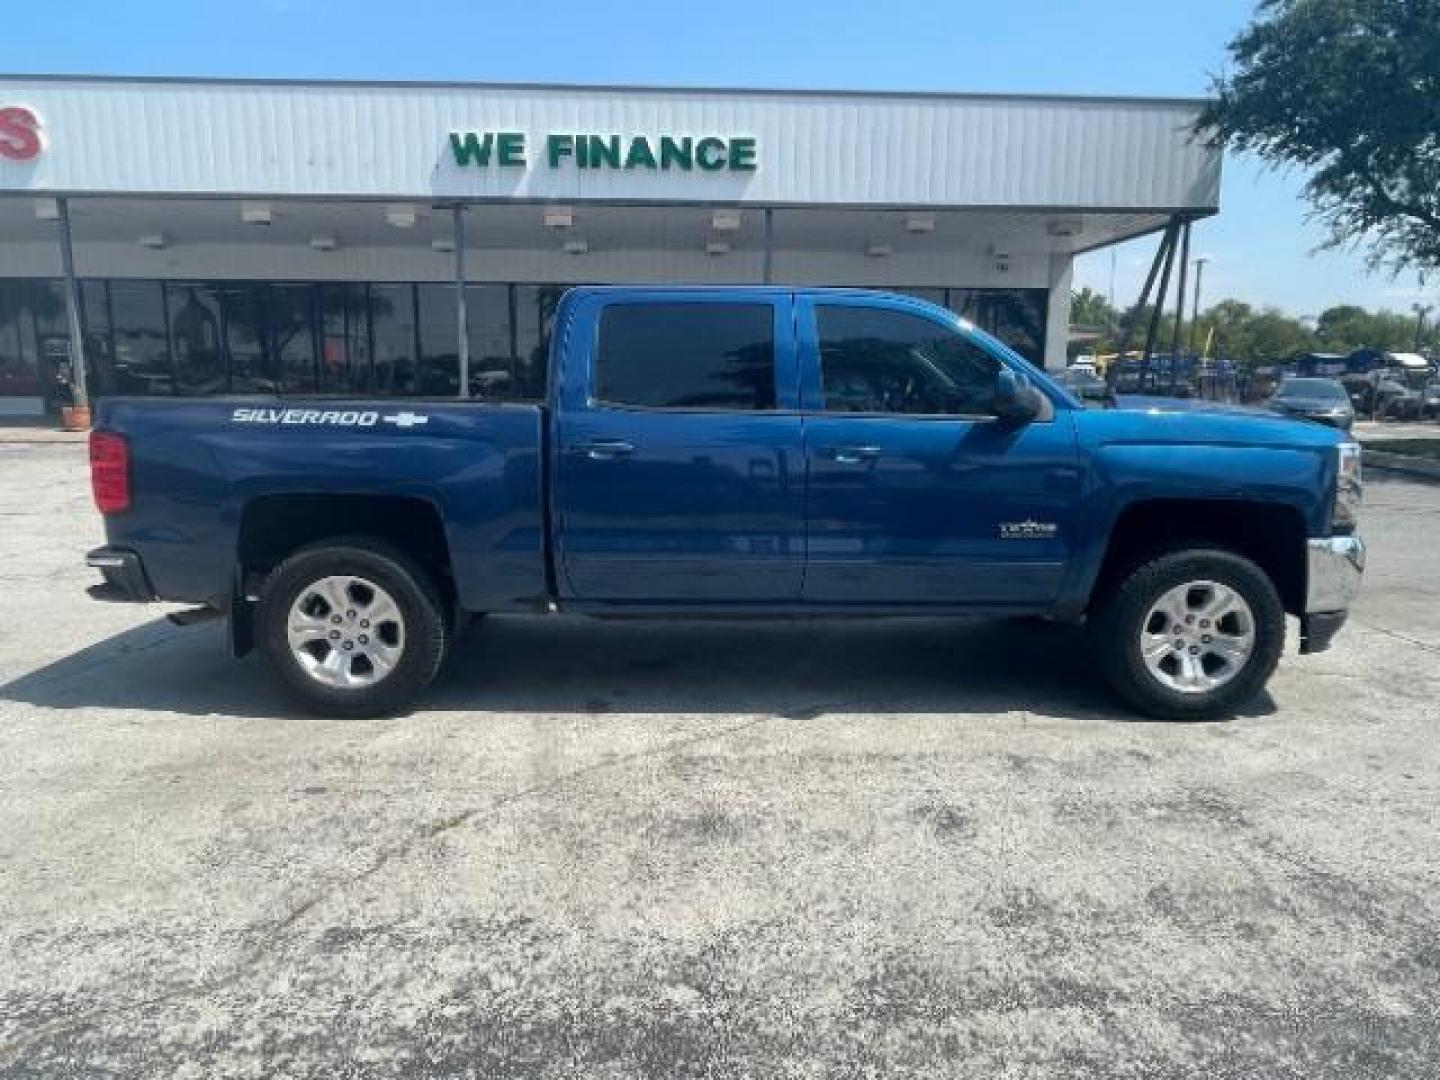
{"x":353,"y":627}
{"x":1190,"y":634}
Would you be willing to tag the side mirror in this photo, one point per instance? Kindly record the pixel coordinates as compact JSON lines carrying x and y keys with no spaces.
{"x":1016,"y":401}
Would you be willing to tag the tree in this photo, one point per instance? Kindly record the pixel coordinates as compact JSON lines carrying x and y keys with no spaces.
{"x":1349,"y":90}
{"x":1090,"y":309}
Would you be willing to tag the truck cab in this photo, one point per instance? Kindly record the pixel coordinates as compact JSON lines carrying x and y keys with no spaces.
{"x":742,"y":451}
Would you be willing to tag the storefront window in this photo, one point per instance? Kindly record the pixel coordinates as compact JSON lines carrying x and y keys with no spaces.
{"x":253,"y":367}
{"x":19,"y":352}
{"x":290,"y":311}
{"x":344,"y":339}
{"x":494,"y":368}
{"x":95,"y":319}
{"x":392,"y":318}
{"x":142,"y":344}
{"x":439,"y":341}
{"x":535,"y":307}
{"x":196,"y":342}
{"x":1015,"y":316}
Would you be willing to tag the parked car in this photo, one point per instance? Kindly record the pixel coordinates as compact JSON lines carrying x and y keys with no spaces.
{"x":740,"y":452}
{"x":1430,"y":400}
{"x":1090,"y":388}
{"x":1322,"y":400}
{"x":1393,"y":398}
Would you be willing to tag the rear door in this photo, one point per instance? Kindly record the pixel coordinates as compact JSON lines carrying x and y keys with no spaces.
{"x":679,"y":473}
{"x":918,"y":493}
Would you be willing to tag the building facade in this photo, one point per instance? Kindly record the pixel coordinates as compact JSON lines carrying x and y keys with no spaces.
{"x":275,"y":237}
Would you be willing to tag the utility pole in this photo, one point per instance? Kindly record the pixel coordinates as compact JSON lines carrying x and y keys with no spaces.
{"x":1420,"y":310}
{"x":1200,"y":262}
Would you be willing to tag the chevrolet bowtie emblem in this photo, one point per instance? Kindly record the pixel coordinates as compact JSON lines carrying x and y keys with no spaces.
{"x":406,"y":419}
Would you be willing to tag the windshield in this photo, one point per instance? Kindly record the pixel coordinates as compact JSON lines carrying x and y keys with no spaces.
{"x":1311,"y":390}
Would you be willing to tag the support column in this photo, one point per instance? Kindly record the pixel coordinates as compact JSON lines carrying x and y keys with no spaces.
{"x":1057,"y":310}
{"x":769,"y":245}
{"x":72,"y":308}
{"x":461,"y":319}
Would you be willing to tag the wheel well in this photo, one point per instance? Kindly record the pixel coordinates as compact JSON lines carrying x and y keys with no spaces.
{"x":1271,"y":535}
{"x":273,"y":526}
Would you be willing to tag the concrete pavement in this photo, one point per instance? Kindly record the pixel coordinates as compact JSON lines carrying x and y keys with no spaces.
{"x":917,"y":848}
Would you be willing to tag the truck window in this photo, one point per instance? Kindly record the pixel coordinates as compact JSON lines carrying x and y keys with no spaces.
{"x":687,"y":356}
{"x":877,"y":360}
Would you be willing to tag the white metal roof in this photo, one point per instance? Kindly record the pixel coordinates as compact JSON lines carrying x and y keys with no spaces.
{"x":391,"y":140}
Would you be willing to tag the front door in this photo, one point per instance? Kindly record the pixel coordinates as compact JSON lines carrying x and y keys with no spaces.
{"x":918,"y":494}
{"x":680,"y":474}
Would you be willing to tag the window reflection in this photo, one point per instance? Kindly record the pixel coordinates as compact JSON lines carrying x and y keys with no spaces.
{"x":142,"y":342}
{"x":195,"y":339}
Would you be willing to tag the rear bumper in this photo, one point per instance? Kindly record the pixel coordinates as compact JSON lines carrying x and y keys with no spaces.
{"x":1335,"y":565}
{"x":125,"y":581}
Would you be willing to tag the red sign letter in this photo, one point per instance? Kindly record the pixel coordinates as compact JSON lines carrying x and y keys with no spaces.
{"x":19,"y":134}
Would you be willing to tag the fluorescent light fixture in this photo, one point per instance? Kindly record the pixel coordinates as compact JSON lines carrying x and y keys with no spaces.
{"x":324,"y":243}
{"x":255,"y":213}
{"x":47,"y":209}
{"x":717,"y":247}
{"x":920,"y":223}
{"x":442,"y":243}
{"x":576,"y":247}
{"x":401,"y":216}
{"x":879,"y":251}
{"x":154,"y":240}
{"x":725,"y":221}
{"x":558,"y":217}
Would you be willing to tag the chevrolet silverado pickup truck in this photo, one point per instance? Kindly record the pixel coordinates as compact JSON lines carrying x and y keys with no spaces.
{"x":734,"y":451}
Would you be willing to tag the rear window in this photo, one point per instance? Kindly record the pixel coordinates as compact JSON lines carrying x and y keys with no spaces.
{"x":1312,"y":390}
{"x":687,"y":356}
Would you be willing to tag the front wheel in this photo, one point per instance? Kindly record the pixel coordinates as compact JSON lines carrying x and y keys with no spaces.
{"x":354,"y":627}
{"x":1190,"y":634}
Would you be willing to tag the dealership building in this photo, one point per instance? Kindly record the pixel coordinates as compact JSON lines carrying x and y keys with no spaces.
{"x":190,"y":236}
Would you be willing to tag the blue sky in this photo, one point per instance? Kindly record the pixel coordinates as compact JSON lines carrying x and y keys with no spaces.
{"x":1260,"y":245}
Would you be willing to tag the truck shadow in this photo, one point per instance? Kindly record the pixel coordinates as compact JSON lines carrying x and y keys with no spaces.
{"x":792,"y":669}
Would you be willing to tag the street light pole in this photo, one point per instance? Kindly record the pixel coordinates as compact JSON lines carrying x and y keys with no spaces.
{"x":1200,"y":262}
{"x":1420,"y":310}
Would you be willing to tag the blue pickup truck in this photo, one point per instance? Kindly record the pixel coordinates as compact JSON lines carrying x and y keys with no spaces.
{"x":734,"y":451}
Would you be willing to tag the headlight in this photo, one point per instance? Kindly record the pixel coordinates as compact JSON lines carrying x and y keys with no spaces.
{"x":1348,"y":487}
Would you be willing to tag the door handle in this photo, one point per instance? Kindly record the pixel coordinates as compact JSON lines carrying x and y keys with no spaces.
{"x":608,"y":450}
{"x":852,"y":455}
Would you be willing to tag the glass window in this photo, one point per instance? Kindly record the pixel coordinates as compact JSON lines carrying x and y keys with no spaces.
{"x":142,"y":345}
{"x":195,"y":338}
{"x":95,"y":318}
{"x":535,"y":307}
{"x":344,"y":339}
{"x":1015,"y":316}
{"x":439,"y":341}
{"x":687,"y":356}
{"x":254,"y":368}
{"x":392,"y":318}
{"x":19,"y":355}
{"x":290,"y":314}
{"x":874,"y":360}
{"x":495,"y":370}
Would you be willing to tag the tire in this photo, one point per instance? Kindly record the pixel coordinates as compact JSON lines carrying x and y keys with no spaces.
{"x":1192,"y":581}
{"x":389,"y":664}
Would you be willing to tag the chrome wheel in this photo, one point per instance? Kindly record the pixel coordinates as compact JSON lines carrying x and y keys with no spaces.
{"x":1197,"y":637}
{"x":345,"y":632}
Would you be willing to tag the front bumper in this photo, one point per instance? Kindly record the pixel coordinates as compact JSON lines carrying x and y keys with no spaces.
{"x":125,"y":581}
{"x":1334,"y":567}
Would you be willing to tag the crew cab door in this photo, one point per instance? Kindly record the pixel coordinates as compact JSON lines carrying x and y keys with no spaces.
{"x":918,"y":492}
{"x":679,"y":472}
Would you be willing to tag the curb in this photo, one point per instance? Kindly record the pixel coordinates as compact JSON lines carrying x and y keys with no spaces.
{"x":20,"y":436}
{"x":1401,"y":463}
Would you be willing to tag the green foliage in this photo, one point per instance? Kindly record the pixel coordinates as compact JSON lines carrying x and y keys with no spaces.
{"x":1238,"y":331}
{"x":1349,"y":90}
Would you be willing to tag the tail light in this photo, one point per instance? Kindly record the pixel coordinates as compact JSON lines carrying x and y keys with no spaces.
{"x":110,"y":471}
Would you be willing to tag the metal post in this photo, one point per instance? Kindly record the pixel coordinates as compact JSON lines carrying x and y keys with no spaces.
{"x":72,"y":308}
{"x":1195,"y":309}
{"x":1159,"y":309}
{"x":769,"y":244}
{"x":1114,"y":369}
{"x":461,"y":320}
{"x":1179,"y":305}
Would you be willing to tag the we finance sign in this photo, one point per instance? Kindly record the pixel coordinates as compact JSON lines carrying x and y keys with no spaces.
{"x":632,"y":153}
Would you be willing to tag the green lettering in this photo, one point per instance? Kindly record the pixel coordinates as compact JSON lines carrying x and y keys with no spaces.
{"x":710,"y":154}
{"x":680,"y":153}
{"x":469,"y":146}
{"x":510,"y":147}
{"x":558,"y":146}
{"x":605,"y":151}
{"x":742,"y":155}
{"x":640,"y":153}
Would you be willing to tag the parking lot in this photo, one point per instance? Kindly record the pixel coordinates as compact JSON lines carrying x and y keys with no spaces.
{"x":910,"y":848}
